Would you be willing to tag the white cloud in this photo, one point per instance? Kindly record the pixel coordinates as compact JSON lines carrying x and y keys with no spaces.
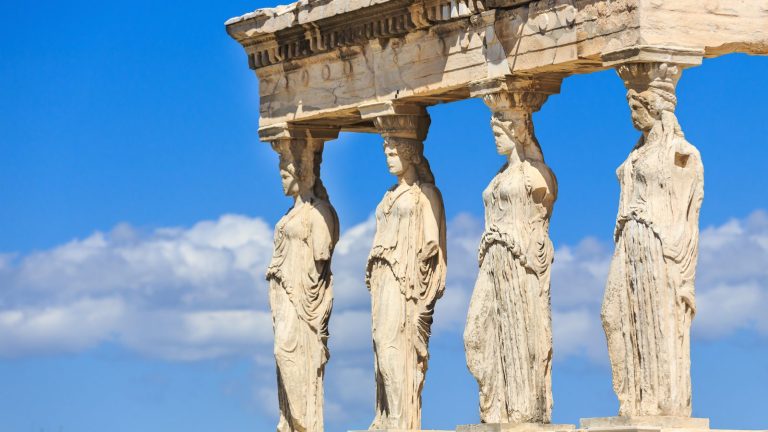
{"x":175,"y":293}
{"x":68,"y":328}
{"x":350,"y":330}
{"x":197,"y":335}
{"x":732,"y":278}
{"x":349,"y":260}
{"x":578,"y":333}
{"x":196,"y":293}
{"x":728,"y":308}
{"x":200,"y":293}
{"x":731,"y":285}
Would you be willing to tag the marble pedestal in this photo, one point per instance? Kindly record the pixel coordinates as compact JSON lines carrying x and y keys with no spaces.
{"x":644,"y":424}
{"x":401,"y":430}
{"x":515,"y":427}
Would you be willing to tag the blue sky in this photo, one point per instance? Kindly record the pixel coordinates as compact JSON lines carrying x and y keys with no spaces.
{"x":136,"y":207}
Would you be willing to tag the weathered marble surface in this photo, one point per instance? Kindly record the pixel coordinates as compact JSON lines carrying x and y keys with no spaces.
{"x":320,"y":60}
{"x":649,"y":298}
{"x":649,"y":424}
{"x":665,"y":422}
{"x":373,"y":66}
{"x":508,"y":336}
{"x":300,"y":292}
{"x":401,"y":430}
{"x":516,"y":427}
{"x":405,"y":272}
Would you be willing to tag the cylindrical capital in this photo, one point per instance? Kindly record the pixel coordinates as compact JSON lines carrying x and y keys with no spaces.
{"x":398,"y":120}
{"x":645,"y":76}
{"x":522,"y":93}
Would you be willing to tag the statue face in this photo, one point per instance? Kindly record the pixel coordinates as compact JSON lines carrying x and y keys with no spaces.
{"x":508,"y":136}
{"x":396,"y":164}
{"x":641,"y":117}
{"x":290,"y":182}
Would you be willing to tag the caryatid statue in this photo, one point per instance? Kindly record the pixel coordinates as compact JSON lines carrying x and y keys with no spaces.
{"x":649,"y":298}
{"x":406,"y":270}
{"x":508,"y":336}
{"x":299,"y":276}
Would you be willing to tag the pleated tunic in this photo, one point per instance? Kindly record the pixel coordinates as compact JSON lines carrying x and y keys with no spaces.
{"x":301,"y":298}
{"x":404,"y":289}
{"x":508,"y":337}
{"x":645,"y":315}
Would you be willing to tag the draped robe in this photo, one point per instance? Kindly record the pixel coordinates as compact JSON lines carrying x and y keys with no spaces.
{"x":404,"y":287}
{"x":301,"y":298}
{"x":647,"y":309}
{"x":508,"y":336}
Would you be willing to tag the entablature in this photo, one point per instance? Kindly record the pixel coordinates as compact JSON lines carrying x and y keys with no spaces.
{"x":318,"y":61}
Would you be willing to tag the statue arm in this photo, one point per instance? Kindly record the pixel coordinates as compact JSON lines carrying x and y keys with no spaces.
{"x":431,"y":259}
{"x":432,"y":214}
{"x":681,"y":237}
{"x":540,"y":182}
{"x":322,"y":229}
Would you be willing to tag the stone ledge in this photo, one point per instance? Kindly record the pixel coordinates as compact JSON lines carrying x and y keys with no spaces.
{"x":516,"y":427}
{"x":401,"y":430}
{"x":644,"y":422}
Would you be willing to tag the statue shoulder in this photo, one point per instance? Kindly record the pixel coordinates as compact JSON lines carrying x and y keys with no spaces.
{"x":686,"y":154}
{"x":430,"y":190}
{"x":322,"y":210}
{"x":432,"y":193}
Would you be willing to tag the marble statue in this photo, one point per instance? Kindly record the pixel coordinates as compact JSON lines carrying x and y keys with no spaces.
{"x":508,"y":336}
{"x":649,"y":298}
{"x":405,"y":275}
{"x":300,"y":292}
{"x":374,"y":66}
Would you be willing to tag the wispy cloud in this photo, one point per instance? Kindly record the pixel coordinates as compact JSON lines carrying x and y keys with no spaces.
{"x":199,"y":292}
{"x":186,"y":294}
{"x":180,"y":294}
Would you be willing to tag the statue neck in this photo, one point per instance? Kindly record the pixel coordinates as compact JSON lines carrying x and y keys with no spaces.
{"x":303,"y":197}
{"x":514,"y":157}
{"x":408,"y":177}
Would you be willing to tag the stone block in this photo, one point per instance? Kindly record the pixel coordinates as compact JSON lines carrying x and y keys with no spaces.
{"x":401,"y":430}
{"x":515,"y":427}
{"x":644,"y":423}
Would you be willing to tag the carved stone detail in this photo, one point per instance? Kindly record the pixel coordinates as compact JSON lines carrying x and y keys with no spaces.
{"x":374,"y":65}
{"x":508,"y":337}
{"x":649,"y":299}
{"x":299,"y":275}
{"x":524,"y":93}
{"x":406,"y":269}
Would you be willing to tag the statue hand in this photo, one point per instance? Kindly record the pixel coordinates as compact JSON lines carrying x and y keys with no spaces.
{"x":428,"y":251}
{"x":689,"y":303}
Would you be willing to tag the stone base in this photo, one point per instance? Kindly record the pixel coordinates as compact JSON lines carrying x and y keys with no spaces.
{"x":644,"y":423}
{"x":515,"y":427}
{"x":400,"y":430}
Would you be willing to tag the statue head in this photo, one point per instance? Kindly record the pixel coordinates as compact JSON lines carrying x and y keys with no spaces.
{"x":289,"y":178}
{"x":513,"y":132}
{"x":651,"y":92}
{"x":510,"y":132}
{"x":647,"y":107}
{"x":300,"y":167}
{"x":402,"y":154}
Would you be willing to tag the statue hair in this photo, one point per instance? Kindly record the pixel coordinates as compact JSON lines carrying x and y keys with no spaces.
{"x":304,"y":161}
{"x":318,"y":188}
{"x":660,"y":103}
{"x":413,"y":150}
{"x":529,"y":148}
